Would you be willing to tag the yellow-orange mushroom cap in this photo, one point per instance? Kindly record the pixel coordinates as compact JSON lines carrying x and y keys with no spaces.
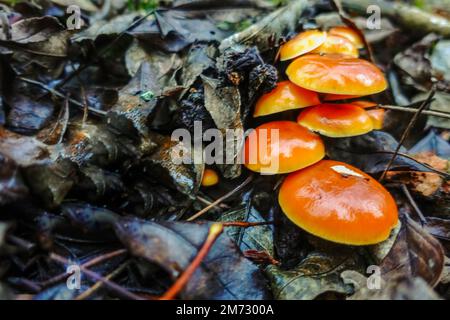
{"x":377,"y":116}
{"x":339,"y":45}
{"x":336,"y":120}
{"x":339,"y":203}
{"x":285,"y":96}
{"x":281,"y":147}
{"x":210,"y":178}
{"x":349,"y":34}
{"x":364,"y":104}
{"x":302,"y":43}
{"x":336,"y":74}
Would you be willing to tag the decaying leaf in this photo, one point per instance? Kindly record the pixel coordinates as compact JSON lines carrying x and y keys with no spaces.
{"x":172,"y":245}
{"x":398,"y":288}
{"x":318,"y":273}
{"x":415,"y":253}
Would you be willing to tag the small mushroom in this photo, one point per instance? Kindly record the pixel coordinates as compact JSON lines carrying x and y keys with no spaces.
{"x":210,"y":178}
{"x":282,"y":147}
{"x":302,"y":43}
{"x":336,"y":74}
{"x":339,"y":45}
{"x":339,"y":203}
{"x":336,"y":120}
{"x":349,"y":34}
{"x":285,"y":96}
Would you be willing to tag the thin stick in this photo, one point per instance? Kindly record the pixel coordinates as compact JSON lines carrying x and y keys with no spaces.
{"x":224,"y":197}
{"x":99,"y":284}
{"x":244,"y":224}
{"x":414,"y":110}
{"x":96,"y":112}
{"x":95,"y":276}
{"x":87,"y":264}
{"x":411,"y":123}
{"x":413,"y":203}
{"x":214,"y":232}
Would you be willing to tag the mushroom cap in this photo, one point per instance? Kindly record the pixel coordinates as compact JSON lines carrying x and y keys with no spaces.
{"x":302,"y":43}
{"x":210,"y":178}
{"x":336,"y":120}
{"x":285,"y":96}
{"x":336,"y":74}
{"x":339,"y":45}
{"x":377,"y":116}
{"x":364,"y":104}
{"x":339,"y":203}
{"x":281,"y":147}
{"x":349,"y":34}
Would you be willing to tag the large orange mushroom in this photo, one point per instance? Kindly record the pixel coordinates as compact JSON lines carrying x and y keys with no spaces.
{"x":336,"y":74}
{"x":336,"y":120}
{"x":302,"y":43}
{"x":281,"y":147}
{"x":339,"y":203}
{"x":285,"y":96}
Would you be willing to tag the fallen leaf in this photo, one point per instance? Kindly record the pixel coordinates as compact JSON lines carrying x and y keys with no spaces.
{"x":173,"y":245}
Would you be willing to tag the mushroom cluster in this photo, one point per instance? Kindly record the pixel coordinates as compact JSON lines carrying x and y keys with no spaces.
{"x":329,"y":199}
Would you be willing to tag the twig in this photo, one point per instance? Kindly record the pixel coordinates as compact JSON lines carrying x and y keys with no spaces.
{"x":99,"y":284}
{"x":62,"y":96}
{"x":410,"y":17}
{"x":413,"y":203}
{"x":95,"y":276}
{"x":406,"y":132}
{"x":245,"y":224}
{"x":224,"y":197}
{"x":90,"y":263}
{"x":214,"y":232}
{"x":414,"y":110}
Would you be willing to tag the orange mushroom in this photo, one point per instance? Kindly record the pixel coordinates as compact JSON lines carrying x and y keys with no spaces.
{"x":337,"y":44}
{"x":336,"y":120}
{"x":285,"y":96}
{"x":349,"y":34}
{"x":210,"y":178}
{"x":364,"y":104}
{"x":281,"y":147}
{"x":377,"y":116}
{"x":339,"y":203}
{"x":302,"y":43}
{"x":336,"y":74}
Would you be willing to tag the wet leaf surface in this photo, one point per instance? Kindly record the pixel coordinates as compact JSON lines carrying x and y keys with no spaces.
{"x":172,"y":245}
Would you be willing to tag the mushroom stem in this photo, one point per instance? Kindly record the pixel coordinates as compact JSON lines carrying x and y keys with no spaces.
{"x":414,"y":110}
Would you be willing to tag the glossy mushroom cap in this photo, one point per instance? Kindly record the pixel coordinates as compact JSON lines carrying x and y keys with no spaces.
{"x":302,"y":43}
{"x":339,"y":45}
{"x":349,"y":34}
{"x":282,"y":147}
{"x":336,"y":74}
{"x":364,"y":104}
{"x":285,"y":96}
{"x":339,"y":203}
{"x":377,"y":116}
{"x":336,"y":120}
{"x":210,"y":178}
